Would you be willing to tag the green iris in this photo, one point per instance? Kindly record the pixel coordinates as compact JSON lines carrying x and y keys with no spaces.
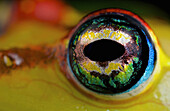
{"x":109,"y":53}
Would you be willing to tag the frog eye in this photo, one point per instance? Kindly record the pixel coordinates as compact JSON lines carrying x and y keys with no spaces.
{"x":111,"y":52}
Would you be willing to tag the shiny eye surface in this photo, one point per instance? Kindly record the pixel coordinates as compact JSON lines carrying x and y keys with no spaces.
{"x":111,"y":52}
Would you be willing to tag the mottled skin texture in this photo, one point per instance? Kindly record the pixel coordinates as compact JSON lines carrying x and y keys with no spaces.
{"x":44,"y":87}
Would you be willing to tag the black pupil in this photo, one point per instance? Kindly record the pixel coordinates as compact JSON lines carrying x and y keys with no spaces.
{"x":104,"y":50}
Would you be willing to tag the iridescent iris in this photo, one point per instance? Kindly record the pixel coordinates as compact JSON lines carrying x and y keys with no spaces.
{"x":111,"y":52}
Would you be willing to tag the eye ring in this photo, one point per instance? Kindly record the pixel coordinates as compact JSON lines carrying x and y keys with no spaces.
{"x":151,"y":58}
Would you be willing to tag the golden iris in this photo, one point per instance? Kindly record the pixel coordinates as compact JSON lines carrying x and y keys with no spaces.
{"x":111,"y":52}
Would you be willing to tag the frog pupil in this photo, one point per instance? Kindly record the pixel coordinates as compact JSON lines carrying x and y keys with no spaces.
{"x":104,"y":50}
{"x":111,"y":53}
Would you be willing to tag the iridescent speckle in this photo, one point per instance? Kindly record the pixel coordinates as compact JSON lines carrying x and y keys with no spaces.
{"x":118,"y":75}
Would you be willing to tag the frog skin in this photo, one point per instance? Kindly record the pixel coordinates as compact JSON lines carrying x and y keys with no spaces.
{"x":33,"y":76}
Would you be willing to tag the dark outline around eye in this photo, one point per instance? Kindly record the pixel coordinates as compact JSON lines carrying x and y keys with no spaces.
{"x":145,"y":29}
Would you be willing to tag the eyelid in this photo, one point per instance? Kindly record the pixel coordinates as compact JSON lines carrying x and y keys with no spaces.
{"x":153,"y":37}
{"x":157,"y":74}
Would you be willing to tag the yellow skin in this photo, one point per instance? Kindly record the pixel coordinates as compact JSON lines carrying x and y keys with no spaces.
{"x":48,"y":89}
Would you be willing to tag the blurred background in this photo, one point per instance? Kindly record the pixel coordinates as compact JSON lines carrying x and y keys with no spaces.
{"x":33,"y":22}
{"x":25,"y":23}
{"x":69,"y":12}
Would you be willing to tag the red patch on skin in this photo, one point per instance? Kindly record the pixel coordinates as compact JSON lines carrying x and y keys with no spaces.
{"x":49,"y":11}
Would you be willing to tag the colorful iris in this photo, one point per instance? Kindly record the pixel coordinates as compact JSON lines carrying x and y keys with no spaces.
{"x":111,"y":52}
